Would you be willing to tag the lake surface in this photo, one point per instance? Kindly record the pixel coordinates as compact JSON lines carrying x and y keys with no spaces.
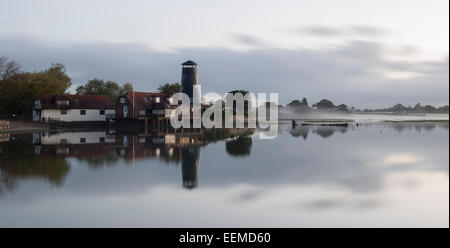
{"x":373,"y":175}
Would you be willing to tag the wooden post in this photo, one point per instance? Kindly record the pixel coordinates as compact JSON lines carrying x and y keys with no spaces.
{"x":146,"y":125}
{"x":167,"y":126}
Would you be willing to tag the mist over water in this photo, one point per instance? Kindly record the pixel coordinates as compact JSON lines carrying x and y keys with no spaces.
{"x":286,"y":114}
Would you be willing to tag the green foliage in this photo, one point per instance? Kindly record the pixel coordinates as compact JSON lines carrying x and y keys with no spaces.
{"x":19,"y":90}
{"x":169,"y":89}
{"x":100,"y":87}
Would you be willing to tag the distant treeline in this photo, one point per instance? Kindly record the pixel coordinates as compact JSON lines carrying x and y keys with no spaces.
{"x":328,"y":106}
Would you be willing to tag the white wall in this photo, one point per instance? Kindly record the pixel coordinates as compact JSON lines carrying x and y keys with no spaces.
{"x":75,"y":138}
{"x":36,"y":115}
{"x":74,"y":115}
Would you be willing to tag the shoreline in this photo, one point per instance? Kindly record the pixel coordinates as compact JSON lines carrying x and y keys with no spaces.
{"x":17,"y":127}
{"x":22,"y":127}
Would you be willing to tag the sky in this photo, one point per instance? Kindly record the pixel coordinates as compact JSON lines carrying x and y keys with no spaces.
{"x":361,"y":53}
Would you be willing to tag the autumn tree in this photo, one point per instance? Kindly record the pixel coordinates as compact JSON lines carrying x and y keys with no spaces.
{"x":8,"y":68}
{"x":19,"y":90}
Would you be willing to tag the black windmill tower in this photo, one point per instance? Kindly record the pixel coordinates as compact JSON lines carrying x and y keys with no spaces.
{"x":189,"y":78}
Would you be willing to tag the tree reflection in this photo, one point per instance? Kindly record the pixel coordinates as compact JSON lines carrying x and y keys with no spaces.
{"x":239,"y":147}
{"x":19,"y":161}
{"x":322,"y":131}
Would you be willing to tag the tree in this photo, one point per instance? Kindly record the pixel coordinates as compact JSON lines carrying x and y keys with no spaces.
{"x":169,"y":89}
{"x":126,"y":87}
{"x":100,"y":87}
{"x":8,"y":68}
{"x":299,"y":107}
{"x":324,"y":104}
{"x":19,"y":90}
{"x":342,"y":108}
{"x":305,"y":102}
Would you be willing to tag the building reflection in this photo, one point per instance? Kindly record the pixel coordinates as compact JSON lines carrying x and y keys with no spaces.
{"x":49,"y":154}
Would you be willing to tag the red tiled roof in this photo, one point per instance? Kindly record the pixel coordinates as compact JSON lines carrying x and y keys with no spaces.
{"x":144,"y":100}
{"x":49,"y":101}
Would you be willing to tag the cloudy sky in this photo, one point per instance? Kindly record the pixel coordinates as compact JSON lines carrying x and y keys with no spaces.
{"x":362,"y":53}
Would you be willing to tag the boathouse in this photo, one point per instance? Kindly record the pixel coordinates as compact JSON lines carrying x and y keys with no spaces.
{"x":73,"y":108}
{"x":143,"y":105}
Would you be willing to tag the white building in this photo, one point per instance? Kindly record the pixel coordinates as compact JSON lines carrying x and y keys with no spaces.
{"x":73,"y":108}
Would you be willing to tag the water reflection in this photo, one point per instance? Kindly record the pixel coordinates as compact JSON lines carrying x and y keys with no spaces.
{"x":308,"y":175}
{"x":20,"y":162}
{"x":47,"y":155}
{"x":328,"y":131}
{"x":323,"y":131}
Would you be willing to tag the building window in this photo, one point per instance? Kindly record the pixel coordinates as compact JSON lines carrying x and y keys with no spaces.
{"x":102,"y":139}
{"x":157,"y":99}
{"x":64,"y":111}
{"x":102,"y":112}
{"x":82,"y":112}
{"x":122,"y":100}
{"x":62,"y":102}
{"x":82,"y":140}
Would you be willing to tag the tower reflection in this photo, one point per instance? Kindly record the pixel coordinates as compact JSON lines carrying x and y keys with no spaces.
{"x":190,"y":160}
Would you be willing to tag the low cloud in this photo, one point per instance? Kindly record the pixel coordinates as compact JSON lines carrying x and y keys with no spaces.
{"x":329,"y":31}
{"x":246,"y":39}
{"x":323,"y":31}
{"x":368,"y":30}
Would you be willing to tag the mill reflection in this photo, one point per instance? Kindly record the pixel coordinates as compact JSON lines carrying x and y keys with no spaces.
{"x":189,"y":166}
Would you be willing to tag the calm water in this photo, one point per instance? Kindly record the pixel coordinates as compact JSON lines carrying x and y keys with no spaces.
{"x":374,"y":175}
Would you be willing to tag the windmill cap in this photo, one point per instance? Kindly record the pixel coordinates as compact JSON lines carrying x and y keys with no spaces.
{"x":189,"y":62}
